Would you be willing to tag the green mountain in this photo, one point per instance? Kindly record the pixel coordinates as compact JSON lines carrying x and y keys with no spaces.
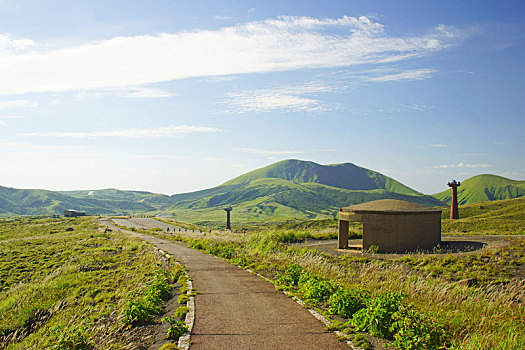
{"x":293,"y":189}
{"x":43,"y":202}
{"x":287,"y":190}
{"x":482,"y":188}
{"x":347,"y":176}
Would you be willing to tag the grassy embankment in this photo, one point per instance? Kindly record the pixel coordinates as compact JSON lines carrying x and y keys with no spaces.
{"x":435,"y":305}
{"x":68,"y":284}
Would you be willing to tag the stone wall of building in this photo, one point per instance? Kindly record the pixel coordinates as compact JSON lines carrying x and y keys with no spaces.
{"x":401,"y":232}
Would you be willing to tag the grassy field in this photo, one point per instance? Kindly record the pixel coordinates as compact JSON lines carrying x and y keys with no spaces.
{"x":487,"y":218}
{"x":70,"y":284}
{"x":469,"y":301}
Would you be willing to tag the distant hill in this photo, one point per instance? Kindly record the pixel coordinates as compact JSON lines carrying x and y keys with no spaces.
{"x":287,"y":190}
{"x":293,"y":189}
{"x":482,"y":188}
{"x":43,"y":202}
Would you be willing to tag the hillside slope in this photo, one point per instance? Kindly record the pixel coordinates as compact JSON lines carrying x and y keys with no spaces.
{"x":482,"y":188}
{"x":347,"y":176}
{"x":290,"y":189}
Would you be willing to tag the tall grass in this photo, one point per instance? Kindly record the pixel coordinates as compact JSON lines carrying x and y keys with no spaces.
{"x":484,"y":316}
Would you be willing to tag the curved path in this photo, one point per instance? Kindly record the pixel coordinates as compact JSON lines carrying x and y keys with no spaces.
{"x":235,"y":309}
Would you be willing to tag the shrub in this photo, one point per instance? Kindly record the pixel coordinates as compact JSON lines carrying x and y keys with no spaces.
{"x":361,"y":341}
{"x":177,"y":328}
{"x":316,"y":288}
{"x":377,"y":317}
{"x":181,"y":311}
{"x":345,"y":302}
{"x":291,"y":276}
{"x":416,"y":331}
{"x":183,"y":299}
{"x":139,"y":312}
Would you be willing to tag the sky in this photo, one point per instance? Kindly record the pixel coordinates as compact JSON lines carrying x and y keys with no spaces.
{"x":177,"y":96}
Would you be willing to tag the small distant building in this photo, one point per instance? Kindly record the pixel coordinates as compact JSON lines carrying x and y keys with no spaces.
{"x":392,"y":225}
{"x":71,"y":213}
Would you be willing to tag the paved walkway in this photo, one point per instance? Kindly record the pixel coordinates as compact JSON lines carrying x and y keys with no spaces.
{"x":237,"y":310}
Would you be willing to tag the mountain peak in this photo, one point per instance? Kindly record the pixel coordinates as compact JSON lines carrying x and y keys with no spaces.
{"x":345,"y":175}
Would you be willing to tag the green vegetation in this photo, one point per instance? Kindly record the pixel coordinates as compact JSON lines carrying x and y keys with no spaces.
{"x":288,"y":190}
{"x":421,"y":301}
{"x":487,"y":218}
{"x":177,"y":327}
{"x":483,"y":188}
{"x":181,"y":311}
{"x":66,"y":284}
{"x":142,"y":309}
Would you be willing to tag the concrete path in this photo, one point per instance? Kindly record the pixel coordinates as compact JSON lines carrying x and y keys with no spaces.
{"x":235,"y":309}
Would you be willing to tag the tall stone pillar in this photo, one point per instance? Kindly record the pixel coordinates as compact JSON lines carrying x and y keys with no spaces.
{"x":454,"y":212}
{"x":228,"y":210}
{"x":343,"y":234}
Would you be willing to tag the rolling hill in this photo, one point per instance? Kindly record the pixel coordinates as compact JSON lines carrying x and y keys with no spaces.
{"x":486,"y":187}
{"x":287,"y":190}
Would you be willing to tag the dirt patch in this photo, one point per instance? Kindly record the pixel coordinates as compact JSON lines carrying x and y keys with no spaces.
{"x":449,"y":245}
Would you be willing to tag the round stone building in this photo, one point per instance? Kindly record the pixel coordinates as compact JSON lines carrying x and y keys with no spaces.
{"x":392,"y":225}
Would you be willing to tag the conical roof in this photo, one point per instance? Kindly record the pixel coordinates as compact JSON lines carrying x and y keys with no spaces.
{"x":390,"y":206}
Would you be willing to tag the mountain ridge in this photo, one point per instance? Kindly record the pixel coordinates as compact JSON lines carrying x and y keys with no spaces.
{"x":286,"y":190}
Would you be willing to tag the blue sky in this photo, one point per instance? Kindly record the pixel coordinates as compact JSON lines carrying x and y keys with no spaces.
{"x":176,"y":96}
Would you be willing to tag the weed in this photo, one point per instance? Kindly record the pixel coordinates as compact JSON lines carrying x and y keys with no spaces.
{"x":181,"y":311}
{"x":317,"y":288}
{"x":345,"y":302}
{"x":361,"y":341}
{"x":169,"y":346}
{"x":70,"y":338}
{"x":416,"y":331}
{"x":177,"y":327}
{"x":377,"y":317}
{"x":183,"y":299}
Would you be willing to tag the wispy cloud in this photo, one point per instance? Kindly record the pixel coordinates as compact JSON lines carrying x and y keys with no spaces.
{"x":168,"y":131}
{"x":129,"y":92}
{"x":17,"y":104}
{"x":418,"y":74}
{"x":35,"y":147}
{"x":438,"y":145}
{"x":284,"y":43}
{"x":8,"y":117}
{"x":293,"y":98}
{"x":461,"y":165}
{"x":266,"y":152}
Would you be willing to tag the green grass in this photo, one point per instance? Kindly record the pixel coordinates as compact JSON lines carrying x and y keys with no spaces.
{"x":487,"y":218}
{"x":488,"y":313}
{"x":66,"y":282}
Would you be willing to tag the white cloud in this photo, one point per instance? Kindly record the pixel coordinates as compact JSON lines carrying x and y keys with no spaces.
{"x":159,"y":156}
{"x":418,"y":74}
{"x":7,"y":117}
{"x":285,"y":43}
{"x":17,"y":104}
{"x":129,"y":92}
{"x":167,"y":131}
{"x":8,"y":44}
{"x":265,"y":152}
{"x":291,"y":98}
{"x":35,"y":147}
{"x":438,"y":145}
{"x":461,"y":165}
